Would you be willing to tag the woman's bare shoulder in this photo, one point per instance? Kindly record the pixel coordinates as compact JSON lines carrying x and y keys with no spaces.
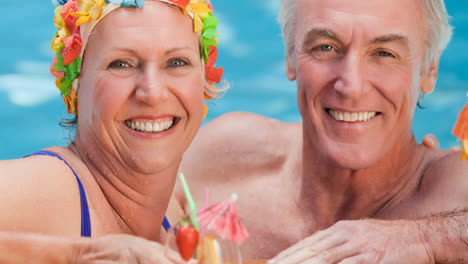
{"x":38,"y":194}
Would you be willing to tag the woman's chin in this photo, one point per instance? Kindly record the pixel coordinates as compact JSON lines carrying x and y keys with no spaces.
{"x":153,"y":164}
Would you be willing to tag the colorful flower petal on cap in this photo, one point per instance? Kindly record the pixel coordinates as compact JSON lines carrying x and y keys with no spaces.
{"x":96,"y":10}
{"x":57,"y":82}
{"x":69,"y":8}
{"x":140,"y":3}
{"x":72,"y":48}
{"x":70,"y":101}
{"x":58,"y":20}
{"x":56,"y":74}
{"x":181,"y":3}
{"x":83,"y":18}
{"x":213,"y":75}
{"x":59,"y":37}
{"x":129,"y":3}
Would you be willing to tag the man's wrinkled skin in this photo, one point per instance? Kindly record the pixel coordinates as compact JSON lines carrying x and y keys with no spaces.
{"x":378,"y":196}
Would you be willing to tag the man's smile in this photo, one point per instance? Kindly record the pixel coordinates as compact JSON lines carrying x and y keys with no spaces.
{"x":351,"y":116}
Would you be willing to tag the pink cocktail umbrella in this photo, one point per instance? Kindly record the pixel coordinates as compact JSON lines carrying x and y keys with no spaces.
{"x":221,"y":218}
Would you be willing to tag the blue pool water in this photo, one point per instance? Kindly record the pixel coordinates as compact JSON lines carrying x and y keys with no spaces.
{"x":251,"y":52}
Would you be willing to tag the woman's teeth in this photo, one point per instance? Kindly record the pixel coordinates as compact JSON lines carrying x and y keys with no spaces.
{"x":150,"y":127}
{"x":352,"y":117}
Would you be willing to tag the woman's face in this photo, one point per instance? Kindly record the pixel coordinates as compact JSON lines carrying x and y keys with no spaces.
{"x":140,"y":98}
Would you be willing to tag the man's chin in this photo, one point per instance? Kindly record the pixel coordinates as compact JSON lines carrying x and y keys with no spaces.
{"x":353,"y":157}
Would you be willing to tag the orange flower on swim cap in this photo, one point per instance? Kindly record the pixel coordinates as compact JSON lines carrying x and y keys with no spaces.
{"x":182,"y":3}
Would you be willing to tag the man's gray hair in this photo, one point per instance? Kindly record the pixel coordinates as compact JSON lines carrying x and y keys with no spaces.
{"x":439,"y":28}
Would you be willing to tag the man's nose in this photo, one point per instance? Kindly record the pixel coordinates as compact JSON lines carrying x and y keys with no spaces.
{"x":153,"y":87}
{"x":350,"y":81}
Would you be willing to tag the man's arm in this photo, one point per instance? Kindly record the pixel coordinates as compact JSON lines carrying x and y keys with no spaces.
{"x":429,"y":238}
{"x":446,"y":236}
{"x":438,"y":239}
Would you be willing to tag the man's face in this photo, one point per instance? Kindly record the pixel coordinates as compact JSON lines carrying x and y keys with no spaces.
{"x":358,"y":66}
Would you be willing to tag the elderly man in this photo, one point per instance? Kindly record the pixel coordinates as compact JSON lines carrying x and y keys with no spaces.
{"x":352,"y":168}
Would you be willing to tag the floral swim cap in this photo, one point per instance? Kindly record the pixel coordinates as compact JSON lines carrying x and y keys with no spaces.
{"x":75,"y":19}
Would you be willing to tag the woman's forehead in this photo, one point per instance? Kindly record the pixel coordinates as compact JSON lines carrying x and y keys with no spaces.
{"x":156,"y":23}
{"x":154,"y":14}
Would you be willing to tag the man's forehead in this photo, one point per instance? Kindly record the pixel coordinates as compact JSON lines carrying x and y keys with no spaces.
{"x":346,"y":11}
{"x":377,"y":21}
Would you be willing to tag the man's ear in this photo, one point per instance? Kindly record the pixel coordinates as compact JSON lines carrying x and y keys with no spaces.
{"x":290,"y":68}
{"x":429,"y":78}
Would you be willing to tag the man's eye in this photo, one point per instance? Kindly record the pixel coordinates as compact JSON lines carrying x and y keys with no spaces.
{"x":385,"y":54}
{"x":326,"y":48}
{"x":119,"y":64}
{"x":178,"y":63}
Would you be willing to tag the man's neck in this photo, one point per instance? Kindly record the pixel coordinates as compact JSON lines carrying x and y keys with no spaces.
{"x":138,"y":201}
{"x":331,"y":193}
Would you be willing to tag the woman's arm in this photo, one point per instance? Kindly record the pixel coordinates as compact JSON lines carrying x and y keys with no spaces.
{"x":25,"y":248}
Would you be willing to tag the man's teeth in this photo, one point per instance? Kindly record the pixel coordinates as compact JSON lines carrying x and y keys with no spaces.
{"x":352,"y":117}
{"x":149,"y":127}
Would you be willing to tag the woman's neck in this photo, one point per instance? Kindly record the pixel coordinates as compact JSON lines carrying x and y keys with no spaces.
{"x":138,"y":200}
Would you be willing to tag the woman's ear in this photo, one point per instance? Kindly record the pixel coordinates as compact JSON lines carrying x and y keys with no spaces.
{"x":290,"y":68}
{"x":429,"y":78}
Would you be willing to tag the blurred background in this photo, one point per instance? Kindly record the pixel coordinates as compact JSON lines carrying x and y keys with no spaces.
{"x":251,"y":52}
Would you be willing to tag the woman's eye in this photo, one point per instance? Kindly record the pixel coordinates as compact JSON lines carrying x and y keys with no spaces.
{"x":178,"y":63}
{"x":119,"y":64}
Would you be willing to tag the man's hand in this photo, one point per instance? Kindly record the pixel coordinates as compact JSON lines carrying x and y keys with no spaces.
{"x":430,"y":141}
{"x":361,"y":241}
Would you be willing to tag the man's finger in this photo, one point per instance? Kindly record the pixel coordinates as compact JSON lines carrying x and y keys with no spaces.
{"x":430,"y":141}
{"x":313,"y":239}
{"x":310,"y":248}
{"x":455,"y":149}
{"x":335,"y":254}
{"x":361,"y":259}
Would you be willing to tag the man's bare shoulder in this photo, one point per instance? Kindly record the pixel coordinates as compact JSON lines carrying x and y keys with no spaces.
{"x":240,"y":139}
{"x":237,"y":148}
{"x":445,"y":182}
{"x":243,"y":129}
{"x":238,"y":152}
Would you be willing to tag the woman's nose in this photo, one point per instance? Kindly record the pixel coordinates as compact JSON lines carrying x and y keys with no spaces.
{"x":153,"y":88}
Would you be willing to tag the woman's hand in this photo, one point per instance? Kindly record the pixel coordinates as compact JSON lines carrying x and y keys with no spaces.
{"x":124,"y":249}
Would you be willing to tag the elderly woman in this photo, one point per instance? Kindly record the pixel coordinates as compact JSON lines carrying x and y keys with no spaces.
{"x":136,"y":79}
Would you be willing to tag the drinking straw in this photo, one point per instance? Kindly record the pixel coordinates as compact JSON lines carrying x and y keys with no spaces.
{"x":191,"y":203}
{"x":206,"y":199}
